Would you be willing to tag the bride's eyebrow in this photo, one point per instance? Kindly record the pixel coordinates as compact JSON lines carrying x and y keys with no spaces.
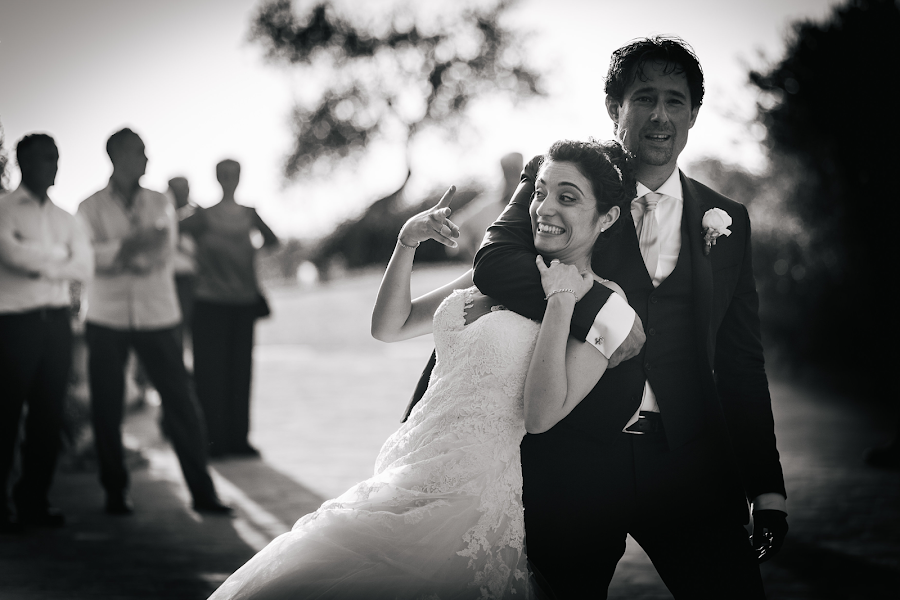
{"x":561,"y":183}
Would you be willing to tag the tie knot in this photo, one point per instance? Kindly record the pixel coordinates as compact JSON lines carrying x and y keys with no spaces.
{"x":649,"y":201}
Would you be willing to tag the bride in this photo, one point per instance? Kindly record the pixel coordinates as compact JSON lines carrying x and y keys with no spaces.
{"x":442,"y":516}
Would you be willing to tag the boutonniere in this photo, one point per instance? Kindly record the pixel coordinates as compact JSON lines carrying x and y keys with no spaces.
{"x":715,"y":223}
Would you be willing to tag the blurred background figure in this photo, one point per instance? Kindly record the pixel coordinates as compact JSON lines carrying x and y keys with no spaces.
{"x":476,"y":216}
{"x":132,"y":304}
{"x":228,"y":302}
{"x":42,"y":249}
{"x":185,"y":261}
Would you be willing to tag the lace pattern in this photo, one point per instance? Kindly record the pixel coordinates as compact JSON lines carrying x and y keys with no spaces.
{"x":450,"y":475}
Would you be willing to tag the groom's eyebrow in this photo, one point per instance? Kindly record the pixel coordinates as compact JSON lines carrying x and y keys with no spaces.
{"x":653,"y":90}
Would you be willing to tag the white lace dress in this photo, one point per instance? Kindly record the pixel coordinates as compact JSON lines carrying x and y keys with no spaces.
{"x":442,"y":516}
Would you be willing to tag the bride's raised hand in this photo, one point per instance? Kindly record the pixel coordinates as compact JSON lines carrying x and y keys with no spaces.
{"x":560,"y":278}
{"x":432,"y":224}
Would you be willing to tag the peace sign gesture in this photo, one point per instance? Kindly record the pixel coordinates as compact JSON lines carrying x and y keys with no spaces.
{"x":431,"y":224}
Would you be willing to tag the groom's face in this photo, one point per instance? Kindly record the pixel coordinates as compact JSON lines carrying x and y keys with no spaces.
{"x":655,"y":115}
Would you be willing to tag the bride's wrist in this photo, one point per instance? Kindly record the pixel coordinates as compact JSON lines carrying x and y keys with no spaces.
{"x":565,"y":294}
{"x":402,"y":244}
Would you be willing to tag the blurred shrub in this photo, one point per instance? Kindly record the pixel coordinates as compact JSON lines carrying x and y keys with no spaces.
{"x":790,"y":275}
{"x":832,"y":137}
{"x":369,"y":240}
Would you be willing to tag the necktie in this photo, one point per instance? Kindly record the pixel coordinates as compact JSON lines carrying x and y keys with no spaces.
{"x":648,"y":231}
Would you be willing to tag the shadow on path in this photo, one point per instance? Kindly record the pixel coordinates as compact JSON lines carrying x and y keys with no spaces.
{"x":833,"y":575}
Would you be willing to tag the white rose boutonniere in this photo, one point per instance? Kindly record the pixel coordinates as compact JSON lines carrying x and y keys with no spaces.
{"x":715,"y":223}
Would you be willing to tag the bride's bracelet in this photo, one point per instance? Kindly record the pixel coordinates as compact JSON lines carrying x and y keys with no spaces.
{"x":399,"y":241}
{"x":570,"y":290}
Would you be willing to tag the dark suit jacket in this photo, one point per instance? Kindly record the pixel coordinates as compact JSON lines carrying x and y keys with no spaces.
{"x":733,"y":381}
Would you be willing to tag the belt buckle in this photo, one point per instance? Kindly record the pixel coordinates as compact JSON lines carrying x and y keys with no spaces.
{"x":636,"y":423}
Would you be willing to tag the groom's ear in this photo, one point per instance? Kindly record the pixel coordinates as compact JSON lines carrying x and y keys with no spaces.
{"x":612,"y":107}
{"x":694,"y":112}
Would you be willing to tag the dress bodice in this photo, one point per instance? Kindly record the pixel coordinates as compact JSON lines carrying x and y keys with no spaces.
{"x":477,"y":385}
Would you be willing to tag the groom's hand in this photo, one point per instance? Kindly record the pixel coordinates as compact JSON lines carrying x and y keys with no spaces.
{"x":631,"y":346}
{"x":769,"y":530}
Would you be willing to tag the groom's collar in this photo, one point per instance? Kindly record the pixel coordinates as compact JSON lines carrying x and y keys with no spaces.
{"x":671,"y":187}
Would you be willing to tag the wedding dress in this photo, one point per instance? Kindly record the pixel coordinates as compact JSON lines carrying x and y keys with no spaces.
{"x":442,"y":516}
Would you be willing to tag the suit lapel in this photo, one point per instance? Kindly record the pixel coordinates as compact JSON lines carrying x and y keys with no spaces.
{"x":692,"y":234}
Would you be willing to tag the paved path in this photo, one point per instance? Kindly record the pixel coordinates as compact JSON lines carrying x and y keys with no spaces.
{"x":326,"y":396}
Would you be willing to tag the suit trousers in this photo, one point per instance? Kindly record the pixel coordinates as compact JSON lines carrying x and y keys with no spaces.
{"x":35,"y":360}
{"x":582,"y":499}
{"x":223,"y":363}
{"x":160,"y":352}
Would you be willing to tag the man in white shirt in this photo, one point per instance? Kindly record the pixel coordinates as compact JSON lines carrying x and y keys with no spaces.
{"x":42,"y":249}
{"x":132,"y":304}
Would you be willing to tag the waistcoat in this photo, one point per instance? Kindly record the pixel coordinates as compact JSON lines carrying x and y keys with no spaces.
{"x":669,"y":358}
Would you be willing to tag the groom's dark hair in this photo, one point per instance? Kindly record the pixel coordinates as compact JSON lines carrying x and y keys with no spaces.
{"x":627,"y":63}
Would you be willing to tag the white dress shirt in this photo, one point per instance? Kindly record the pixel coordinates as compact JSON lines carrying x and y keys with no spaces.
{"x":120,"y":298}
{"x":668,"y":218}
{"x":42,"y":249}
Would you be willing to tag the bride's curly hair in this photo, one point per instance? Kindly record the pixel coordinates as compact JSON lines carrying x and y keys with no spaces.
{"x":610,"y":169}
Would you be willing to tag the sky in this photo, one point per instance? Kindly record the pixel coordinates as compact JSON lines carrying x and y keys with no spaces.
{"x":186,"y":77}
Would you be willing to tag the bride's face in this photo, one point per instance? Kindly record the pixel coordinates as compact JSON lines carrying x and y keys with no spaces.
{"x":564,"y":216}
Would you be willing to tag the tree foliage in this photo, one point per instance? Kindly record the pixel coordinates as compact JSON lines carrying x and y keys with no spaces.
{"x":387,"y":76}
{"x":830,"y":120}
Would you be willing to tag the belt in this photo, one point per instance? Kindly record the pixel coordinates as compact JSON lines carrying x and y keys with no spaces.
{"x":648,"y":422}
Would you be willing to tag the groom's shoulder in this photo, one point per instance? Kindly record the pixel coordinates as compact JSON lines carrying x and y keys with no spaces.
{"x":708,"y":196}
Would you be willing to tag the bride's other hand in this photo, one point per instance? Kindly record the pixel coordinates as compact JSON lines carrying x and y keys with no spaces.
{"x":560,"y":276}
{"x":432,"y":224}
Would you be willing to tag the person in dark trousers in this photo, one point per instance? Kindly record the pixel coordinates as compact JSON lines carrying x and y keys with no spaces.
{"x":42,"y":249}
{"x":674,"y":445}
{"x":132,"y":304}
{"x":185,"y":263}
{"x":227,"y":303}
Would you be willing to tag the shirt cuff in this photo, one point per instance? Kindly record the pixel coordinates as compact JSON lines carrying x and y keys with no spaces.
{"x":770,"y":501}
{"x":611,"y":325}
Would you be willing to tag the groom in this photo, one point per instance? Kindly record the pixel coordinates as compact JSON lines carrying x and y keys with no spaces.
{"x":674,"y":444}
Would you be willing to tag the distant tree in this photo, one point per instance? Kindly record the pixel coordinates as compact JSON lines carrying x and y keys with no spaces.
{"x":829,"y":110}
{"x":388,"y":75}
